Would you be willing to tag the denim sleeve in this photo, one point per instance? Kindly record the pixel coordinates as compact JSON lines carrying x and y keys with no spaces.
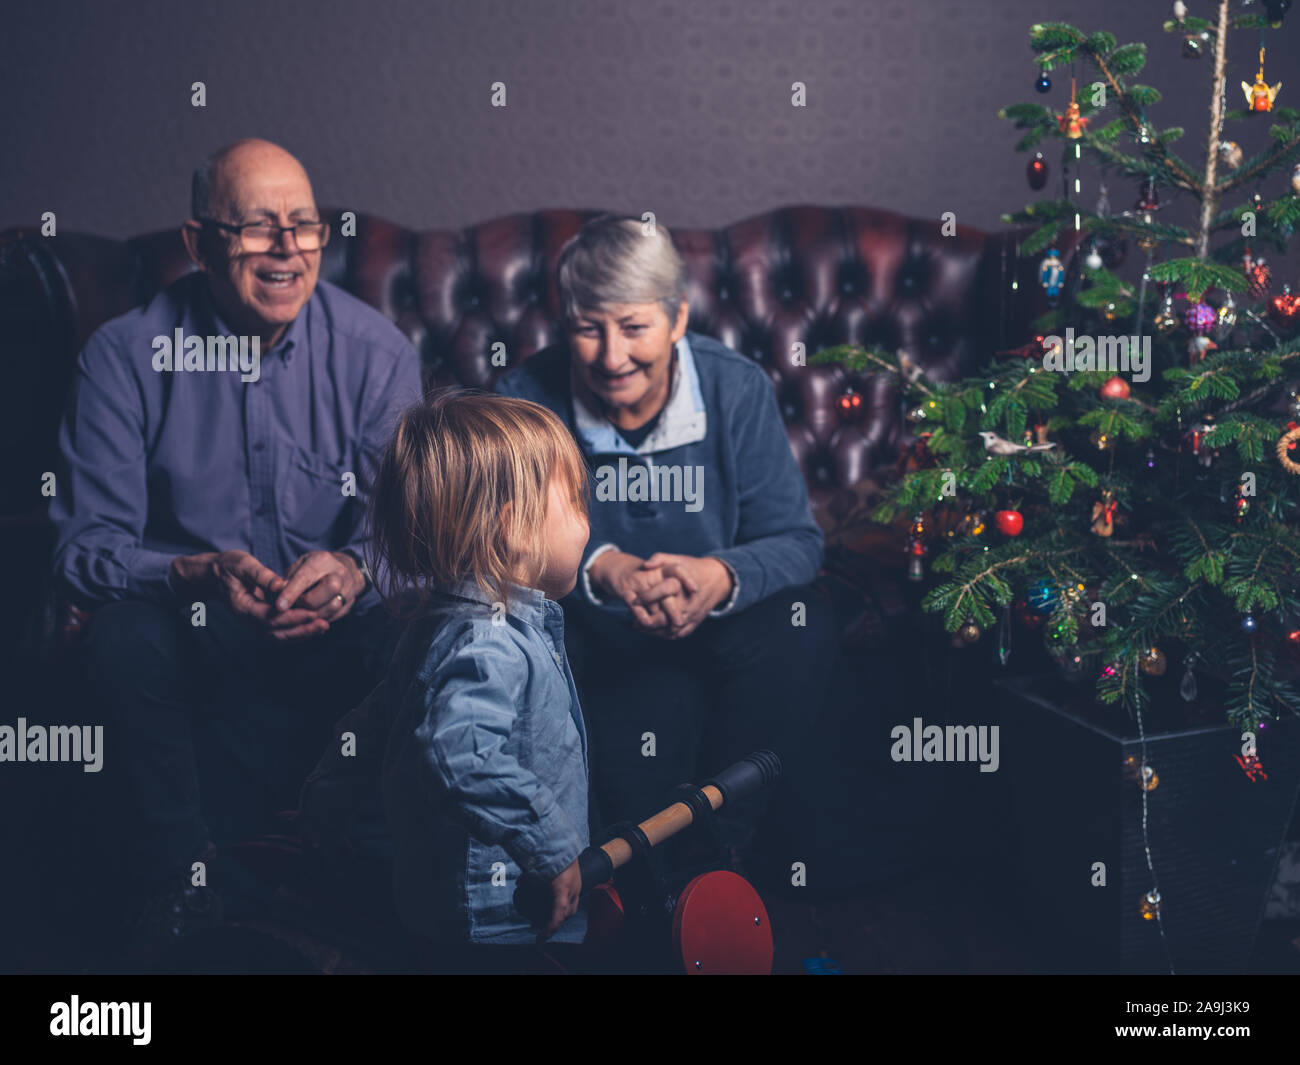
{"x":470,"y":709}
{"x":101,"y":500}
{"x":778,"y":544}
{"x":401,"y":388}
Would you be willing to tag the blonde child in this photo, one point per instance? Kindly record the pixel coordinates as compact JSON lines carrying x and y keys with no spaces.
{"x":480,"y":505}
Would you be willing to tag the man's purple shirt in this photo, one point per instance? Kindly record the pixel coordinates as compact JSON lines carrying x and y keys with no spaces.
{"x":161,"y":463}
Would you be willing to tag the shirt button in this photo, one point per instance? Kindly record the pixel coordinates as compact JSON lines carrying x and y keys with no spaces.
{"x":558,"y":660}
{"x":259,"y":446}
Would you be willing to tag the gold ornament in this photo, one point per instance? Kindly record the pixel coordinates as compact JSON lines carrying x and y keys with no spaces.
{"x":1101,"y":440}
{"x":1152,"y":662}
{"x":1230,"y":154}
{"x":1283,"y":446}
{"x":1150,"y":907}
{"x":1147,"y":779}
{"x":970,"y":632}
{"x":1147,"y":241}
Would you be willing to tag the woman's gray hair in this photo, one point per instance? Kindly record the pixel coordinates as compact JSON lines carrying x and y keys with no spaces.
{"x":613,"y":259}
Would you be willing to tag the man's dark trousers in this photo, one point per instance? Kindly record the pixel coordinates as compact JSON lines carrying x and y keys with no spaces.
{"x":210,"y":729}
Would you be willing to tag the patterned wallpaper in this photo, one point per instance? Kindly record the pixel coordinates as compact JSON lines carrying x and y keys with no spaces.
{"x":682,"y":107}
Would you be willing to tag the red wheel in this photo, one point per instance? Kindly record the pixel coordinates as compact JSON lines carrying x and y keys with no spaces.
{"x":605,"y":916}
{"x":720,"y":926}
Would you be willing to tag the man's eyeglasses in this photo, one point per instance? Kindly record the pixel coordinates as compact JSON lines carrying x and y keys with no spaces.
{"x":255,"y":237}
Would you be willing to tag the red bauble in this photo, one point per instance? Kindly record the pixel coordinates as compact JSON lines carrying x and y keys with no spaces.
{"x":1036,"y":171}
{"x":850,"y":402}
{"x":1010,"y":522}
{"x":1285,"y":311}
{"x":1115,"y":388}
{"x":1260,"y":276}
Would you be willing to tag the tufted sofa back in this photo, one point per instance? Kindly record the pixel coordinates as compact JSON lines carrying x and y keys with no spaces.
{"x":812,"y":275}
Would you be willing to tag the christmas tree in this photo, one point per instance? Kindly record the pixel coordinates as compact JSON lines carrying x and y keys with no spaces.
{"x":1133,"y":497}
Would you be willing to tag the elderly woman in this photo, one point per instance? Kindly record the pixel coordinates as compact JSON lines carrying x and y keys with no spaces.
{"x":693,"y":634}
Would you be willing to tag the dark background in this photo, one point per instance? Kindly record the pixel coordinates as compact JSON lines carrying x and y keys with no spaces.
{"x":681,"y":107}
{"x":676,"y":106}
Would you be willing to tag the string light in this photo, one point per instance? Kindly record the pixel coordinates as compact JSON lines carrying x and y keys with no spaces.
{"x":1146,"y":847}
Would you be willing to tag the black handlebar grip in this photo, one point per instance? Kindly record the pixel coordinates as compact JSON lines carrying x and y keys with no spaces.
{"x":533,"y":893}
{"x":751,"y":774}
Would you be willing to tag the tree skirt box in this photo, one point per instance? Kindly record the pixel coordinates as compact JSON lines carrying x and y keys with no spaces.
{"x":1216,"y":819}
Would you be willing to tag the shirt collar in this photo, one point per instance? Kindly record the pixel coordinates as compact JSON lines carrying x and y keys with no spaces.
{"x":527,"y":604}
{"x":683,"y":420}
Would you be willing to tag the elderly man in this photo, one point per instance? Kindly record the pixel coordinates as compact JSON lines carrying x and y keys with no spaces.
{"x":217,"y":450}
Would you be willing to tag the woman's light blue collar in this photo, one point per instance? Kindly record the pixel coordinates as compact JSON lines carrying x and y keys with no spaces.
{"x":683,"y":421}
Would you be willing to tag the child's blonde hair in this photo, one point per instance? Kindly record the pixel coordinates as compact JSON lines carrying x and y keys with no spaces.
{"x":463,"y":487}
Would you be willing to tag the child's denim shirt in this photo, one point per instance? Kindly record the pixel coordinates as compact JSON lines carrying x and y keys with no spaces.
{"x":486,"y":767}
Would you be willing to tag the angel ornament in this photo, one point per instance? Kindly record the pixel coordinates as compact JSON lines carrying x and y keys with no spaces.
{"x":1260,"y":96}
{"x":1072,"y":123}
{"x":1103,"y":515}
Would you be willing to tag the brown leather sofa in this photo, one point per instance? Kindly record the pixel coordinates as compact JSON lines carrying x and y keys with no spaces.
{"x":820,"y":275}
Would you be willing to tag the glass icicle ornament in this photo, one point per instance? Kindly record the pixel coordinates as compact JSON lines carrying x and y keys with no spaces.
{"x":1166,"y":320}
{"x":916,"y":549}
{"x":1227,"y":315}
{"x":1187,"y":686}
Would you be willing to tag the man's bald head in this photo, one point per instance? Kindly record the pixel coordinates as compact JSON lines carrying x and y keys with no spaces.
{"x":213,"y":179}
{"x":259,"y":283}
